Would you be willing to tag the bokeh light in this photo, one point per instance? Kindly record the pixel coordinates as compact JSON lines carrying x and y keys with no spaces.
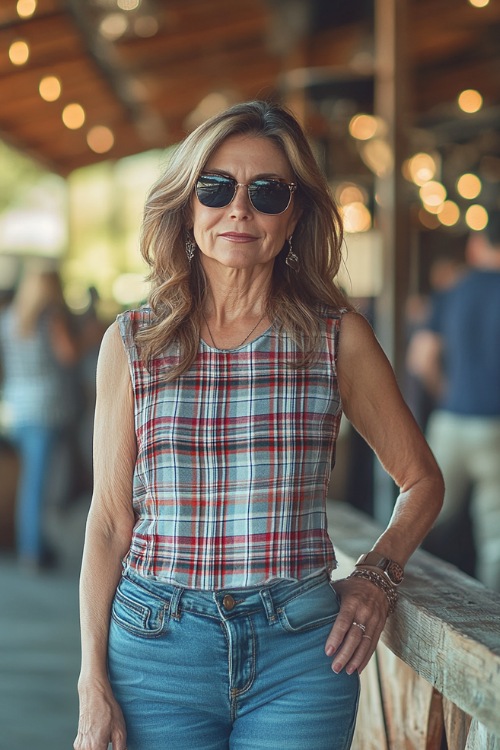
{"x":19,"y":52}
{"x":476,"y":217}
{"x":113,"y":26}
{"x":363,"y":127}
{"x":50,"y":88}
{"x":433,"y":193}
{"x":469,"y":186}
{"x":25,"y":8}
{"x":449,"y":214}
{"x":349,"y":192}
{"x":422,"y":168}
{"x":470,"y":101}
{"x":128,"y":4}
{"x":73,"y":116}
{"x":100,"y":139}
{"x":357,"y":218}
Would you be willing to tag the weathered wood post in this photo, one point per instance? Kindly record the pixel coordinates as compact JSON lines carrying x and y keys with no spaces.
{"x":391,"y":94}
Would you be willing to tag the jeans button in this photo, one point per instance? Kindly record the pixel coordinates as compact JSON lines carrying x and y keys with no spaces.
{"x":229,"y":602}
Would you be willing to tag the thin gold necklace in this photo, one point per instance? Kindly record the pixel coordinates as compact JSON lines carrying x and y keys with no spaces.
{"x":244,"y":340}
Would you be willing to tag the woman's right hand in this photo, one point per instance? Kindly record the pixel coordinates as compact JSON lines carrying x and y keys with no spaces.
{"x":101,"y":721}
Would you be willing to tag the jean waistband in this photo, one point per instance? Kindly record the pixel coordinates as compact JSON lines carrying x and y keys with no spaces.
{"x":230,"y":602}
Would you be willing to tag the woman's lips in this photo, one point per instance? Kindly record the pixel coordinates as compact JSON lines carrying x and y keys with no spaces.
{"x":238,"y":237}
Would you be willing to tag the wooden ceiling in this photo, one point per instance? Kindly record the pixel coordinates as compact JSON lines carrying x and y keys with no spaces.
{"x":178,"y":59}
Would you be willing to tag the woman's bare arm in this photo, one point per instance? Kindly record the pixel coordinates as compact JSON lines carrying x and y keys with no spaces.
{"x":107,"y":540}
{"x":373,"y":403}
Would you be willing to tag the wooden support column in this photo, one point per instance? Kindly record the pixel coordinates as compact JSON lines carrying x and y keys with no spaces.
{"x":391,"y":86}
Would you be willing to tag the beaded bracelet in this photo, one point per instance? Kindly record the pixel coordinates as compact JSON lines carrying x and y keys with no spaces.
{"x":378,"y":580}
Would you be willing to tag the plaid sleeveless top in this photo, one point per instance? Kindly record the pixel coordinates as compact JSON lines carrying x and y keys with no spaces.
{"x":233,"y":461}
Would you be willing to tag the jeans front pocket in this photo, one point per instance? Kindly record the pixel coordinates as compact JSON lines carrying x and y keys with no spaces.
{"x":312,"y":608}
{"x":139,"y":611}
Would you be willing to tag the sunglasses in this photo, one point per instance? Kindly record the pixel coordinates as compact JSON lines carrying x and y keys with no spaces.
{"x":267,"y":196}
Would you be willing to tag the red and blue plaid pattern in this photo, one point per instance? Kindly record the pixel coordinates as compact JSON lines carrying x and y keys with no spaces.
{"x":234,"y":460}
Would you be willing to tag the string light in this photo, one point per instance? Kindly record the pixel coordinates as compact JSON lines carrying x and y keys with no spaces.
{"x":100,"y":139}
{"x":479,"y":3}
{"x":73,"y":116}
{"x":363,"y":127}
{"x":348,"y":192}
{"x":422,"y":168}
{"x":476,"y":217}
{"x":19,"y":52}
{"x":470,"y":101}
{"x":469,"y":186}
{"x":357,"y":218}
{"x":449,"y":214}
{"x":433,"y":194}
{"x":113,"y":26}
{"x":128,"y":4}
{"x":25,"y":8}
{"x":50,"y":88}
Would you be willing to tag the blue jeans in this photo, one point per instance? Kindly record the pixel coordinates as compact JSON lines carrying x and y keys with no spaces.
{"x":242,"y":669}
{"x":36,"y":445}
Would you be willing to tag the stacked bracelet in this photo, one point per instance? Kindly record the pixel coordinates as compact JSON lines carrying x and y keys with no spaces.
{"x":381,"y":582}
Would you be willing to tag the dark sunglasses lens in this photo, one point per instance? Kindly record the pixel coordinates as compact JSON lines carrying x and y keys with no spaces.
{"x":215,"y":191}
{"x":269,"y":196}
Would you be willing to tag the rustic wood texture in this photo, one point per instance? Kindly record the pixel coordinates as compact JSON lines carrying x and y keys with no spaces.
{"x":444,"y":635}
{"x":371,"y":731}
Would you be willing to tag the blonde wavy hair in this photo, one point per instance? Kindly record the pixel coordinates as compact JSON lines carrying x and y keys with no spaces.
{"x":178,"y":288}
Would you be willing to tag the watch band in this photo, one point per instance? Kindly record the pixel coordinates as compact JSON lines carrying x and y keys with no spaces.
{"x":392,"y":570}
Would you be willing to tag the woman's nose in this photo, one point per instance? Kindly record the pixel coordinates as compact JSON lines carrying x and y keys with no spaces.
{"x":241,"y":202}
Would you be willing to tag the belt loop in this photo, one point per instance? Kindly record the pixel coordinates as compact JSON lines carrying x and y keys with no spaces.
{"x":175,"y":601}
{"x":267,"y":601}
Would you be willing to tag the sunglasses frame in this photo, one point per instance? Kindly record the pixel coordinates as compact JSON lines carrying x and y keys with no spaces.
{"x":292,"y":187}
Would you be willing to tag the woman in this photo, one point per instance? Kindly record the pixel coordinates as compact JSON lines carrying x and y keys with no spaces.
{"x":217,"y":412}
{"x":38,"y":352}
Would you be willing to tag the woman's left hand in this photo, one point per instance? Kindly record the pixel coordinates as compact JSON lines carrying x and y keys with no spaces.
{"x":362,"y":616}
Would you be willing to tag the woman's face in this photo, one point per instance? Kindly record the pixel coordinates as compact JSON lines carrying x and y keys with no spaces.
{"x":237,"y":236}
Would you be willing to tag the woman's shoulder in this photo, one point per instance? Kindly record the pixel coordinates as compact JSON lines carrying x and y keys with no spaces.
{"x":130,"y":322}
{"x":137,"y":317}
{"x":330,"y":313}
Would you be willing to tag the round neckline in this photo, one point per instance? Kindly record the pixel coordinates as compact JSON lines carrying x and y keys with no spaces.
{"x":236,"y":348}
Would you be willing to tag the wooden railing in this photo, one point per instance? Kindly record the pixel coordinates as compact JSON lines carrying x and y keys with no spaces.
{"x":434,"y":680}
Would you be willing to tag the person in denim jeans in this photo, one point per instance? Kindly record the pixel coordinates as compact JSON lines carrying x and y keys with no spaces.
{"x":210,"y":617}
{"x":38,"y":351}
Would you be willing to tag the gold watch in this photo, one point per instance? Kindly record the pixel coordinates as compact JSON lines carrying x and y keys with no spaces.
{"x":392,"y":570}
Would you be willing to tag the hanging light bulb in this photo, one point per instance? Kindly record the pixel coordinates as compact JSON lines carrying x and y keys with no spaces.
{"x":469,"y":186}
{"x":19,"y":52}
{"x":470,"y":101}
{"x":73,"y":116}
{"x":476,"y":217}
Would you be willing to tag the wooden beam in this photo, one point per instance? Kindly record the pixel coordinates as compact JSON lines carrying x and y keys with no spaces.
{"x":391,"y":86}
{"x":445,"y":628}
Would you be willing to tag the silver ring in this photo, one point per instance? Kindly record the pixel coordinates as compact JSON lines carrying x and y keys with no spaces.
{"x":360,"y":626}
{"x":367,"y":636}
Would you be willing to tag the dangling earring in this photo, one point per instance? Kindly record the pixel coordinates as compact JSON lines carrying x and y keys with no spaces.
{"x":292,"y":259}
{"x":190,"y":246}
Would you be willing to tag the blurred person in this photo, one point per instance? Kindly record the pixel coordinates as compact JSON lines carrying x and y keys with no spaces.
{"x":37,"y":351}
{"x":91,"y":330}
{"x":459,"y":360}
{"x":209,"y":616}
{"x":422,"y":394}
